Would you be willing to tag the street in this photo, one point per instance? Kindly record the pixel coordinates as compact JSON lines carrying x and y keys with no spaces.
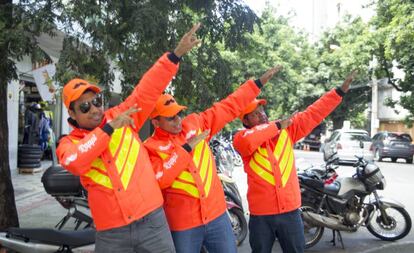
{"x":400,"y":186}
{"x":38,"y":209}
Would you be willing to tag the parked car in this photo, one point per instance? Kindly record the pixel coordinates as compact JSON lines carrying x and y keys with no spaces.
{"x":393,"y":145}
{"x":313,"y":140}
{"x":347,"y":144}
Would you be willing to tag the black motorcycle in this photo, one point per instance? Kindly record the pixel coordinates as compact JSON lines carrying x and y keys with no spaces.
{"x":348,"y":203}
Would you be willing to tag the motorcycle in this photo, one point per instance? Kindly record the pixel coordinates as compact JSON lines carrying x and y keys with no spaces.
{"x":67,"y":190}
{"x":231,"y":192}
{"x":347,"y":204}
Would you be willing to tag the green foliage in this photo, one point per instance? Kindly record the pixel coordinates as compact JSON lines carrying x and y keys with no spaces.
{"x":347,"y":46}
{"x":394,"y":25}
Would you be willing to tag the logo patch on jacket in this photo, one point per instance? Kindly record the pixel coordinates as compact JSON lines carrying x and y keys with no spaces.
{"x":88,"y":145}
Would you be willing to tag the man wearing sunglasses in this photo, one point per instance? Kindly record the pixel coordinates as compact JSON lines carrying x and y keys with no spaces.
{"x":267,"y":150}
{"x":186,"y":170}
{"x":104,"y":149}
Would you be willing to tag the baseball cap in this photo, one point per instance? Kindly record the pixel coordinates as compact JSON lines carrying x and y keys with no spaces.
{"x":166,"y":106}
{"x":251,"y":107}
{"x":75,"y":88}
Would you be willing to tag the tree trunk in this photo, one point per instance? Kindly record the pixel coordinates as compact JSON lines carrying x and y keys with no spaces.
{"x":8,"y":211}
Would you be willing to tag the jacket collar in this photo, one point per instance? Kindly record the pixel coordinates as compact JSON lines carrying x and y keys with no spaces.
{"x":77,"y":130}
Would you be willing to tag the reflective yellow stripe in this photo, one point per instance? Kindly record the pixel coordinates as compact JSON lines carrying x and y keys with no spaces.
{"x":262,"y":161}
{"x":186,"y":176}
{"x":130,"y":163}
{"x":162,"y":155}
{"x":197,"y":153}
{"x":99,"y":178}
{"x":263,"y":151}
{"x":75,"y":141}
{"x":207,"y":186}
{"x":288,"y":170}
{"x":204,"y":162}
{"x":286,"y":156}
{"x":261,"y":172}
{"x":115,"y":140}
{"x":98,"y":163}
{"x":124,"y":150}
{"x":280,"y":143}
{"x":190,"y":189}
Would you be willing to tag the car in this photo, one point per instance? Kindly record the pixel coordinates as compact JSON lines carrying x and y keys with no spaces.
{"x":393,"y":145}
{"x":313,"y":140}
{"x":347,"y":143}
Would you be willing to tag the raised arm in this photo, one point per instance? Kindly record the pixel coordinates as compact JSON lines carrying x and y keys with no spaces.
{"x":304,"y":122}
{"x":221,"y":113}
{"x":156,"y":79}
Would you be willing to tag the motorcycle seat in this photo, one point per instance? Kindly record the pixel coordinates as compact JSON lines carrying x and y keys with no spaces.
{"x":71,"y":239}
{"x":311,"y":182}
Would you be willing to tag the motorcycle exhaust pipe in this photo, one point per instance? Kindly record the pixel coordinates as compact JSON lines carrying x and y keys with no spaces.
{"x":26,"y":247}
{"x":323,"y":221}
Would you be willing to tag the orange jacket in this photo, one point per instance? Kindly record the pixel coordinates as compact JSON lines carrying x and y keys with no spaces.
{"x":192,"y":191}
{"x":269,"y":161}
{"x":116,"y":170}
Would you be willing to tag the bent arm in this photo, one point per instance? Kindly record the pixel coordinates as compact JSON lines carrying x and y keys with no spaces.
{"x":168,"y":168}
{"x":247,"y":141}
{"x":78,"y":156}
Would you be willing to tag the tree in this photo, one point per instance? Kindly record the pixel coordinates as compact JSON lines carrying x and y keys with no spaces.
{"x":19,"y":25}
{"x":349,"y":45}
{"x":394,"y":24}
{"x":134,"y":33}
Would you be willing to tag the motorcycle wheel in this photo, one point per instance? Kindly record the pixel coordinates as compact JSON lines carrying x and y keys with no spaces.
{"x":313,"y":233}
{"x":398,"y":217}
{"x":238,"y":224}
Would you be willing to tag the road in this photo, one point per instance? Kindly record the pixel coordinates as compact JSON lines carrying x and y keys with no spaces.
{"x":400,"y":186}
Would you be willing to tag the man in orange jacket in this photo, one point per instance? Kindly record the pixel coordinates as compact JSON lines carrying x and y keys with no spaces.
{"x":104,"y":149}
{"x":267,"y":151}
{"x":186,"y":170}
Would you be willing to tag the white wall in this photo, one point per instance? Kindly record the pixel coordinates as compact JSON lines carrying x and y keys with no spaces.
{"x":13,"y":121}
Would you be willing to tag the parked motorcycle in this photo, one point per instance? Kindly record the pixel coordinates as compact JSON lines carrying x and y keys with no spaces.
{"x":348,"y":203}
{"x":231,"y":192}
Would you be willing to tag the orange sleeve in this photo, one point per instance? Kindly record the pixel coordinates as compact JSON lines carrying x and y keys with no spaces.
{"x":221,"y":113}
{"x":148,"y":90}
{"x":304,"y":122}
{"x":77,"y":157}
{"x":247,"y":141}
{"x":168,"y":169}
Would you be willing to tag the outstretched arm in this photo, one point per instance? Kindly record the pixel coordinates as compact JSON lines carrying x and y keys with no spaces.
{"x":156,"y":79}
{"x":221,"y":113}
{"x":304,"y":122}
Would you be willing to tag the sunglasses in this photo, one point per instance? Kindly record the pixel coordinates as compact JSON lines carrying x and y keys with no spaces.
{"x":172,"y":118}
{"x":97,"y":101}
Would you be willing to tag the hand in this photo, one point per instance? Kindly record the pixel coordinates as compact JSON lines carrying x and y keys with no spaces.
{"x":193,"y":141}
{"x":124,"y":118}
{"x":187,"y":42}
{"x":285,"y":122}
{"x":266,"y":76}
{"x":345,"y":85}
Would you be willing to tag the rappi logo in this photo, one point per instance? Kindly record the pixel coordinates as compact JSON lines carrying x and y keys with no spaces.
{"x":88,"y":145}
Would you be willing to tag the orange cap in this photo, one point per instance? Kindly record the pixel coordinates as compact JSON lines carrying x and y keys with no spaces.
{"x":75,"y":88}
{"x":166,"y":106}
{"x":251,"y":107}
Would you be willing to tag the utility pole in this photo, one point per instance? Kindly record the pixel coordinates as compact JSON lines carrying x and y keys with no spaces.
{"x":374,"y":102}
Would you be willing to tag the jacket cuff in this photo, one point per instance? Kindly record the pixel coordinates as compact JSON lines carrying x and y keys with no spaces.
{"x":174,"y":58}
{"x":187,"y":147}
{"x":258,"y":83}
{"x":278,"y":125}
{"x":340,"y":92}
{"x":108,"y":129}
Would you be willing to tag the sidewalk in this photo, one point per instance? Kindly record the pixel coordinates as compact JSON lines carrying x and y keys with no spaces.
{"x":34,"y":206}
